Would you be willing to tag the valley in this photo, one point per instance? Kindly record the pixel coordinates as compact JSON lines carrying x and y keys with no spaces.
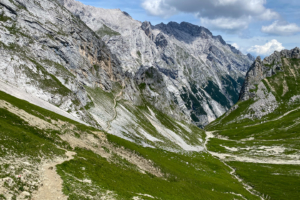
{"x":97,"y":105}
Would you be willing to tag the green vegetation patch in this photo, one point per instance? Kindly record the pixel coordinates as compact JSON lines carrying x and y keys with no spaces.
{"x":231,"y":120}
{"x":139,"y":54}
{"x":4,"y":18}
{"x":191,"y":176}
{"x":45,"y":80}
{"x":186,"y":176}
{"x":41,"y":112}
{"x":22,"y":139}
{"x":278,"y":182}
{"x":142,"y":86}
{"x":60,"y":70}
{"x":252,"y":138}
{"x":192,"y":102}
{"x":105,"y":30}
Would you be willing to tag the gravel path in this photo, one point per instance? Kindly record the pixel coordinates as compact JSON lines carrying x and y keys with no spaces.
{"x":52,"y":183}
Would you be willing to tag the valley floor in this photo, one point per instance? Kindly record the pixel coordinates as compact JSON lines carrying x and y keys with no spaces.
{"x":265,"y":156}
{"x":65,"y":159}
{"x":55,"y":157}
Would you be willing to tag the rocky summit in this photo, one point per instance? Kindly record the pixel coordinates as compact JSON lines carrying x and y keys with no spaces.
{"x":97,"y":105}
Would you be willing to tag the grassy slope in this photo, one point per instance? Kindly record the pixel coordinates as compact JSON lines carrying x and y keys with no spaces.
{"x":187,"y":176}
{"x":140,"y":120}
{"x":266,"y":132}
{"x":273,"y":181}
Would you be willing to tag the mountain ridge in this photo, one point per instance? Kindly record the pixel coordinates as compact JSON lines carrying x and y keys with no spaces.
{"x":142,"y":44}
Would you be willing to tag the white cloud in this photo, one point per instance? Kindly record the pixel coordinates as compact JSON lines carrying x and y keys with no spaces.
{"x":267,"y":48}
{"x":217,"y":14}
{"x":281,"y":28}
{"x":235,"y":45}
{"x":269,"y":15}
{"x":227,"y":24}
{"x":159,"y":8}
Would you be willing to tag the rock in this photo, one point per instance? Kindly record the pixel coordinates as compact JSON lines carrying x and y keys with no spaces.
{"x":251,"y":57}
{"x":161,"y":41}
{"x":23,"y":195}
{"x":219,"y":37}
{"x":147,"y":27}
{"x":266,"y":68}
{"x":57,"y":44}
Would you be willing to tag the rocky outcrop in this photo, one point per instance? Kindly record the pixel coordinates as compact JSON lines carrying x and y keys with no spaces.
{"x":147,"y":27}
{"x":161,"y":41}
{"x":262,"y":69}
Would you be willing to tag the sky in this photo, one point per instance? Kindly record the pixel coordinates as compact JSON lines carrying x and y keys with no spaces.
{"x":258,"y":27}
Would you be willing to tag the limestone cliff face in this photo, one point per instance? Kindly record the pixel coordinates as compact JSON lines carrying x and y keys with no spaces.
{"x":50,"y":53}
{"x":202,"y":74}
{"x":266,"y":68}
{"x":271,"y":85}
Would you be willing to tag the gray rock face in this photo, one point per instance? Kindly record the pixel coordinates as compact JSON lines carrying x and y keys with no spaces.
{"x":48,"y":52}
{"x":173,"y":28}
{"x":192,"y":62}
{"x":147,"y":27}
{"x":251,"y":57}
{"x":161,"y":41}
{"x":266,"y":68}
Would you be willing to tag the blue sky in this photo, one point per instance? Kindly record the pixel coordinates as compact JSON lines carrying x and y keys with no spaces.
{"x":254,"y":26}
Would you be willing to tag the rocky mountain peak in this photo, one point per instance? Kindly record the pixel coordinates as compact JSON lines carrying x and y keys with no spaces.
{"x":268,"y":67}
{"x":191,"y":29}
{"x":258,"y":59}
{"x":234,"y":50}
{"x":147,"y":27}
{"x":256,"y":73}
{"x":219,"y":37}
{"x":126,"y":14}
{"x":276,"y":56}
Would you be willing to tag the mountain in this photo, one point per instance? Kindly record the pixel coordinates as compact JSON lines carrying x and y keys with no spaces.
{"x":50,"y":58}
{"x":74,"y":124}
{"x":201,"y":74}
{"x":124,"y":81}
{"x":259,"y":136}
{"x":96,"y":105}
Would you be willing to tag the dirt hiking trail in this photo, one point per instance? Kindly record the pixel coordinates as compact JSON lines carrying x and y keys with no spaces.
{"x":52,"y":184}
